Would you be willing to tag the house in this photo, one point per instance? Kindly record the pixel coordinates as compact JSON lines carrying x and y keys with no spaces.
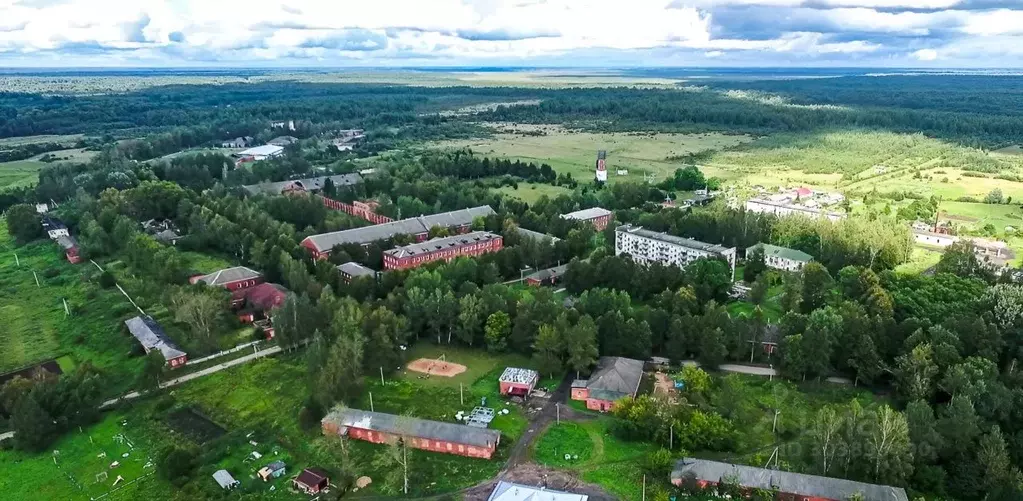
{"x":442,"y":249}
{"x":232,"y":279}
{"x":352,"y":270}
{"x":308,"y":185}
{"x":225,"y":480}
{"x":788,"y":485}
{"x":152,"y":337}
{"x":803,"y":192}
{"x":42,"y":208}
{"x":271,"y":471}
{"x":54,"y":227}
{"x":762,"y":206}
{"x":549,"y":276}
{"x":536,"y":236}
{"x":282,"y":141}
{"x":645,"y":247}
{"x":238,"y":142}
{"x":290,"y":125}
{"x":433,"y":436}
{"x":311,"y":481}
{"x":70,"y":246}
{"x":596,"y":216}
{"x":517,"y":382}
{"x":933,"y":239}
{"x":781,"y":258}
{"x":255,"y":303}
{"x":614,"y":379}
{"x":507,"y":491}
{"x":264,"y":152}
{"x":458,"y":221}
{"x":169,"y":237}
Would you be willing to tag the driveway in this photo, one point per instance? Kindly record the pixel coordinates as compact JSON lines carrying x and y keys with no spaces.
{"x":520,"y":451}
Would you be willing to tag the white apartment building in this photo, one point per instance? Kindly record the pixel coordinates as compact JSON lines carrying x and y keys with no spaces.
{"x":762,"y":206}
{"x":645,"y":246}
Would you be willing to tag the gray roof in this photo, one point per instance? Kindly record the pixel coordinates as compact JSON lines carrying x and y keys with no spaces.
{"x":536,"y":235}
{"x":67,"y":242}
{"x":586,"y":214}
{"x":786,"y":481}
{"x":224,"y":478}
{"x":228,"y":275}
{"x":800,"y":208}
{"x":412,"y":226}
{"x":167,"y":236}
{"x":615,"y":377}
{"x":438,"y":244}
{"x":308,"y":184}
{"x":664,"y":237}
{"x":354,"y":269}
{"x":282,"y":140}
{"x":414,"y":427}
{"x":507,"y":491}
{"x":151,"y":335}
{"x":264,"y":150}
{"x":548,"y":273}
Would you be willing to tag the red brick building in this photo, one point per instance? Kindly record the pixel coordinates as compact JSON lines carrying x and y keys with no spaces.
{"x":442,"y":249}
{"x":550,"y":276}
{"x":434,"y":436}
{"x":351,"y":270}
{"x":70,"y":247}
{"x":152,"y":337}
{"x":789,"y":486}
{"x":458,"y":221}
{"x":232,"y":279}
{"x":311,"y":481}
{"x":596,"y":216}
{"x":258,"y":301}
{"x":614,"y":379}
{"x":517,"y":382}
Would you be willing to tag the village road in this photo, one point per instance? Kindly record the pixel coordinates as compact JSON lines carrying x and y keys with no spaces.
{"x":520,"y":451}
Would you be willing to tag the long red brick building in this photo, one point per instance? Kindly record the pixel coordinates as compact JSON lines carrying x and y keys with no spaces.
{"x":442,"y":249}
{"x":787,"y":484}
{"x":434,"y":436}
{"x":459,"y":221}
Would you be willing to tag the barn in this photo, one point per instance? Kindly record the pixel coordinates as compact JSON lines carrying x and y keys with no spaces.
{"x":232,"y":279}
{"x":311,"y":481}
{"x":434,"y":436}
{"x":151,"y":336}
{"x":517,"y":382}
{"x":614,"y":379}
{"x":788,"y":485}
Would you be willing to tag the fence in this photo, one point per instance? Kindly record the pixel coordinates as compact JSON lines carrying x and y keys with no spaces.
{"x":362,"y":210}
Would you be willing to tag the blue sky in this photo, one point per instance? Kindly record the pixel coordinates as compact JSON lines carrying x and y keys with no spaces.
{"x":536,"y":33}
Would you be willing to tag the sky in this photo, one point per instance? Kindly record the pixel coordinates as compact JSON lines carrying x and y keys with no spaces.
{"x":531,"y":33}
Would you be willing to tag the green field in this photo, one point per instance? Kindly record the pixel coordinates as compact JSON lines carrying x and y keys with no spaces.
{"x":531,"y":192}
{"x":26,"y":172}
{"x":575,"y":153}
{"x":35,"y":326}
{"x":7,"y":142}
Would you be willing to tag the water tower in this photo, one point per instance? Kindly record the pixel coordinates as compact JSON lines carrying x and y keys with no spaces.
{"x":601,"y":166}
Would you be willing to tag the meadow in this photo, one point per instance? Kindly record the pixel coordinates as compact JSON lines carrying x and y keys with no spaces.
{"x":35,"y":325}
{"x":575,"y":153}
{"x":19,"y":173}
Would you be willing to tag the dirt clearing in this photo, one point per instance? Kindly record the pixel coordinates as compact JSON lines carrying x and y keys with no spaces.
{"x":436,"y":367}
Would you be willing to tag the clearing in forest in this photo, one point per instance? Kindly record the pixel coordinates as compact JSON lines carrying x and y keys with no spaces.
{"x":575,"y":153}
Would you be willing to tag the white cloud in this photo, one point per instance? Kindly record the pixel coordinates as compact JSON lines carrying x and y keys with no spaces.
{"x":926,"y":54}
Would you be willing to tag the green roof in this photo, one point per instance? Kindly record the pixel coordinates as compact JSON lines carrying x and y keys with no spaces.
{"x":782,"y":252}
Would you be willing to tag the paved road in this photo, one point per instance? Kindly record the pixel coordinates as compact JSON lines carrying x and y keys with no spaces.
{"x":198,"y":374}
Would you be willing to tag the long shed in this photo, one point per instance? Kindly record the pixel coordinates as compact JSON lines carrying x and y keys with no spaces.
{"x":422,"y":434}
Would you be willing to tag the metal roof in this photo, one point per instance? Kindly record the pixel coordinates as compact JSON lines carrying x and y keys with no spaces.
{"x":414,"y":427}
{"x":794,"y":207}
{"x":412,"y":226}
{"x":615,"y":377}
{"x":265,"y":150}
{"x":67,"y":242}
{"x":439,"y":244}
{"x":225,"y":479}
{"x":800,"y":484}
{"x":507,"y":491}
{"x":586,"y":214}
{"x":536,"y":235}
{"x":307,"y":184}
{"x":672,"y":239}
{"x":516,"y":375}
{"x":228,"y":275}
{"x":548,"y":273}
{"x":151,"y":335}
{"x":354,"y":269}
{"x":782,"y":252}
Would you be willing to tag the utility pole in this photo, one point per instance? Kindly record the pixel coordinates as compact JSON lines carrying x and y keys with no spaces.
{"x":774,"y":426}
{"x":671,"y":437}
{"x":644,"y":487}
{"x":381,"y":375}
{"x":16,"y":260}
{"x":461,"y":395}
{"x":557,"y":408}
{"x":371,"y":401}
{"x":37,"y":279}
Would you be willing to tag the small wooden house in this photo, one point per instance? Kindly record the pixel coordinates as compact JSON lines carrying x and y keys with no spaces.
{"x":271,"y":471}
{"x":311,"y":481}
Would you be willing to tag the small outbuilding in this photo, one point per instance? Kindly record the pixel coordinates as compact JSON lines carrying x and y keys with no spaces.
{"x":271,"y":471}
{"x":518,"y":382}
{"x":225,"y":480}
{"x":311,"y":481}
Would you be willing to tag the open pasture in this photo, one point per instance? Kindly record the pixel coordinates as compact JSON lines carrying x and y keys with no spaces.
{"x":575,"y":153}
{"x":531,"y":192}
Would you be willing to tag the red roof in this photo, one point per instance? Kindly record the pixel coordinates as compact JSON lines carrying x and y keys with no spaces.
{"x":803,"y":191}
{"x":311,"y":477}
{"x":263,"y":296}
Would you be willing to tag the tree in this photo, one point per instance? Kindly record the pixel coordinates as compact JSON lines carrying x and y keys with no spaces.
{"x":547,"y":350}
{"x":994,"y":197}
{"x":23,"y":223}
{"x":755,"y":264}
{"x":202,"y":310}
{"x":889,"y":447}
{"x":960,"y":259}
{"x":293,"y":320}
{"x":817,"y":283}
{"x":758,"y":291}
{"x":792,"y":292}
{"x":923,"y":433}
{"x":149,"y":377}
{"x":33,"y":426}
{"x":993,"y":457}
{"x":915,"y":373}
{"x":176,"y":464}
{"x":396,"y":460}
{"x":471,"y":314}
{"x":581,"y":345}
{"x":824,"y":435}
{"x":496,"y":331}
{"x":339,"y":377}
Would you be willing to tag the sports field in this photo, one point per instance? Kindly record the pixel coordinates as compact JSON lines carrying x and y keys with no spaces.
{"x":575,"y":153}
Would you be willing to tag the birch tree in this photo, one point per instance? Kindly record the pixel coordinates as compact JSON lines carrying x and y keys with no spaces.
{"x":888,"y":446}
{"x":824,"y":434}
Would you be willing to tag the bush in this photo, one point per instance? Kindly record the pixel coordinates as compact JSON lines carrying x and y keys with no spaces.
{"x":176,"y":464}
{"x":51,"y":272}
{"x":107,"y":280}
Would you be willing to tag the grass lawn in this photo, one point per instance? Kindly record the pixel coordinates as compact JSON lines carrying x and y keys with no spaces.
{"x":919,"y":261}
{"x":575,"y":153}
{"x":531,"y":192}
{"x":977,"y":215}
{"x":19,"y":173}
{"x":35,"y":326}
{"x":8,"y":142}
